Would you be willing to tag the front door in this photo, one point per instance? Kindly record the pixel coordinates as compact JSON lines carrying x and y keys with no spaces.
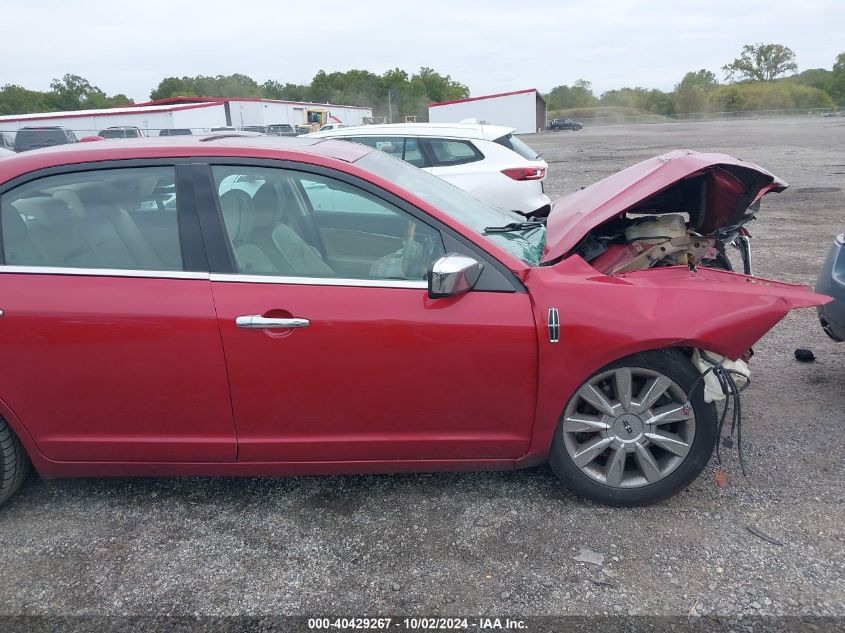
{"x":334,"y":350}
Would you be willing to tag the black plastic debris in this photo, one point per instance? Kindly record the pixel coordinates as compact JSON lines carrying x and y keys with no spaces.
{"x":804,"y":355}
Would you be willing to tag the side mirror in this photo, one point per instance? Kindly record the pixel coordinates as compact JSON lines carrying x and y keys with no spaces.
{"x":452,"y":274}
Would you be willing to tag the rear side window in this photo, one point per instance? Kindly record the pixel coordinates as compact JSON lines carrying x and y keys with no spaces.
{"x":116,"y":219}
{"x":447,"y":152}
{"x":517,"y":145}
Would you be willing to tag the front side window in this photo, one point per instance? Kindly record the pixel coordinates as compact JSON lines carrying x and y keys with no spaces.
{"x":288,"y":223}
{"x":111,"y":218}
{"x":463,"y":207}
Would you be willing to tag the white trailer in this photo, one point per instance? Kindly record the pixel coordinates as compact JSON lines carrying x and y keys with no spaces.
{"x":198,"y":117}
{"x":249,"y":112}
{"x":523,"y":110}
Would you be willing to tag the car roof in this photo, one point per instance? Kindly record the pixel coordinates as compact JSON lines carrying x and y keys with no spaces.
{"x":222,"y":144}
{"x":450,"y":130}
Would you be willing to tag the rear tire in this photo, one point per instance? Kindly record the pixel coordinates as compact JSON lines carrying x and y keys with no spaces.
{"x":14,"y":462}
{"x":635,"y":439}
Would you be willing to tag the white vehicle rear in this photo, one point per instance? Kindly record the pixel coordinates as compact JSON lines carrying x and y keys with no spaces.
{"x":488,"y":161}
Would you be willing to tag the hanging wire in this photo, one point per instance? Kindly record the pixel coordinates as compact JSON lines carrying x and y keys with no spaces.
{"x":725,"y":376}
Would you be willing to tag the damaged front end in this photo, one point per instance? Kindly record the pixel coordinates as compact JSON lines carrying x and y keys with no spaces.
{"x":681,"y":208}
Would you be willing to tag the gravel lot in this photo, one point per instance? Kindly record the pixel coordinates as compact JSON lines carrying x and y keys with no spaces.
{"x":500,"y":543}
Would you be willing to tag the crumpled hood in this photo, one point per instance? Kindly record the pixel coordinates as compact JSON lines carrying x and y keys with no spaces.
{"x":715,"y":189}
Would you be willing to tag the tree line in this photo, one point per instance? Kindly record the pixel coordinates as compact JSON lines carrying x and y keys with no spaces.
{"x":758,"y":79}
{"x":393,"y":94}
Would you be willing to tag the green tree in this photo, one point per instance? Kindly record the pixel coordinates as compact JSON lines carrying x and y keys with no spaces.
{"x":761,"y":62}
{"x":18,"y":100}
{"x":73,"y":92}
{"x":288,"y":91}
{"x":174,"y":87}
{"x":692,"y":93}
{"x":437,"y":87}
{"x":578,"y":95}
{"x":837,"y":80}
{"x":236,"y":85}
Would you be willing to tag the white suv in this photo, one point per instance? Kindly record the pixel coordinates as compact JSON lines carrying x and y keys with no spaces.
{"x":488,"y":161}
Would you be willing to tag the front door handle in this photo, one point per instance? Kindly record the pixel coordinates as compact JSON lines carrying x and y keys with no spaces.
{"x":258,"y":322}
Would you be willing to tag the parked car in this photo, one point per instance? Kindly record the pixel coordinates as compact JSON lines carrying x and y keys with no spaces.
{"x":260,"y":129}
{"x":420,"y":329}
{"x":488,"y":161}
{"x":831,"y":282}
{"x":332,"y":126}
{"x":281,"y":129}
{"x":28,"y":138}
{"x":121,"y":131}
{"x":556,"y":125}
{"x":175,"y":132}
{"x":225,"y":128}
{"x":5,"y":153}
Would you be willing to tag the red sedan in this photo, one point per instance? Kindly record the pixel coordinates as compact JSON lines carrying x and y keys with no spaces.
{"x":242,"y":306}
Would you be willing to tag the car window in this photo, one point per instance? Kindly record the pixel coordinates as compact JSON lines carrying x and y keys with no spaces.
{"x":116,"y":219}
{"x":514,"y":143}
{"x":288,"y":223}
{"x":460,"y":205}
{"x":393,"y":145}
{"x":447,"y":152}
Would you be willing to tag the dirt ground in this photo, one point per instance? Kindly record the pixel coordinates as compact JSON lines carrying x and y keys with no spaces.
{"x":500,"y":543}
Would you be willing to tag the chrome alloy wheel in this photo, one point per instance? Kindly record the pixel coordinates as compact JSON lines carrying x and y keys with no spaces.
{"x":628,"y":427}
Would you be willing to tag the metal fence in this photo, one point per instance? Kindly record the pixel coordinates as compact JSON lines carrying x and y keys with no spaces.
{"x":631,"y":119}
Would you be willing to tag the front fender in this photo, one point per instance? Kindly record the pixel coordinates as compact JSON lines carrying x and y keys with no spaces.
{"x":604,"y":318}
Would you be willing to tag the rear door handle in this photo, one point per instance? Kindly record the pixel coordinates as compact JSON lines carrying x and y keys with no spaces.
{"x":258,"y":322}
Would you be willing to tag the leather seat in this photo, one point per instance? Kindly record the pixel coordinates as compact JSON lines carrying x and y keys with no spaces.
{"x":272,"y":233}
{"x":18,"y":247}
{"x":238,"y":215}
{"x":110,"y":229}
{"x":55,"y":233}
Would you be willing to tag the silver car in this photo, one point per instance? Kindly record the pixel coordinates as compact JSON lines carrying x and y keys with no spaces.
{"x":831,"y":282}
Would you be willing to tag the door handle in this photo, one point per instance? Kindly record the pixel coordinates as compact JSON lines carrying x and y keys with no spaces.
{"x":258,"y":322}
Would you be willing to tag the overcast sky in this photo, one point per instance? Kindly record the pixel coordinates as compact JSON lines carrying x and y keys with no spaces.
{"x":502,"y":45}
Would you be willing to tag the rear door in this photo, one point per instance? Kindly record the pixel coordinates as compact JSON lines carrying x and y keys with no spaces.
{"x":108,"y":335}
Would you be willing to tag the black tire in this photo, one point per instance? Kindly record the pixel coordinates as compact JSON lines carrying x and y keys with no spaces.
{"x":676,"y":366}
{"x":14,"y":462}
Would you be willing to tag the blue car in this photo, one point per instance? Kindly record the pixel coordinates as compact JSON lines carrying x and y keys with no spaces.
{"x":831,"y":282}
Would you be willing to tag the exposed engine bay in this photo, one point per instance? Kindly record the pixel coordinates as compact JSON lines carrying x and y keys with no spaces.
{"x":635,"y":243}
{"x":690,"y":223}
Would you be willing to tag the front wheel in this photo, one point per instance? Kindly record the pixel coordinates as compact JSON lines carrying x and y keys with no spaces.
{"x":629,"y":436}
{"x":14,"y":462}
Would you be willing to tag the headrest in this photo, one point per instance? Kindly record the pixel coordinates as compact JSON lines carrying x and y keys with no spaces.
{"x":266,"y":207}
{"x":14,"y":228}
{"x":72,"y":199}
{"x":236,"y":206}
{"x":50,"y":213}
